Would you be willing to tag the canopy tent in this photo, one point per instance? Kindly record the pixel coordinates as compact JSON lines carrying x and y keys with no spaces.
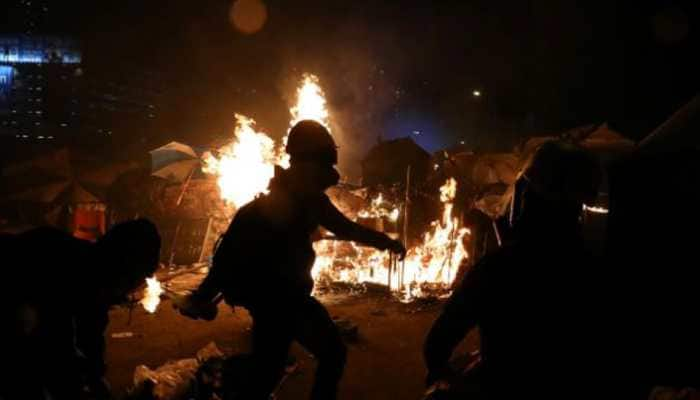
{"x":387,"y":162}
{"x":52,"y":181}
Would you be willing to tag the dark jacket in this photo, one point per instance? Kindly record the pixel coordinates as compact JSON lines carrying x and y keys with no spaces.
{"x":267,"y":250}
{"x":531,"y":303}
{"x":58,"y":315}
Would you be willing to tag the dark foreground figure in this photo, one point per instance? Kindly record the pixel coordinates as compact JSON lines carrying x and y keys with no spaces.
{"x":55,"y":301}
{"x":531,"y":299}
{"x":264,"y":261}
{"x":654,"y":278}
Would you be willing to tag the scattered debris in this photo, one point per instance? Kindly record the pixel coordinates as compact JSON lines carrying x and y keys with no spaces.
{"x":209,"y":376}
{"x":174,"y":380}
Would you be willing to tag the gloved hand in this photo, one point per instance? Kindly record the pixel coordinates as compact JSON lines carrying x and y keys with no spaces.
{"x":192,"y":307}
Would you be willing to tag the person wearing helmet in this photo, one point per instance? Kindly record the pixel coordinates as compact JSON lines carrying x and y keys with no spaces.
{"x":60,"y":289}
{"x":530,"y":298}
{"x":264,"y":261}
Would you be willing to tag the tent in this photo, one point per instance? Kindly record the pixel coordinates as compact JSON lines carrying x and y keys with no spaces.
{"x":387,"y":162}
{"x":58,"y":179}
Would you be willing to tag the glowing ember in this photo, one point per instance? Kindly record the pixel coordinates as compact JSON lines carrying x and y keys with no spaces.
{"x":151,"y":295}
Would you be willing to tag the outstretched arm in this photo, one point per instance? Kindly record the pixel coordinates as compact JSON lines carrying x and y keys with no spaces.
{"x":458,"y":317}
{"x":333,"y":220}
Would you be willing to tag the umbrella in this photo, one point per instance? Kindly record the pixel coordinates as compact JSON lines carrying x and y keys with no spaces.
{"x":174,"y":161}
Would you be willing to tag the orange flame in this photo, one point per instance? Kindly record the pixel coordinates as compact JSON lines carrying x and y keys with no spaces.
{"x":246,"y":165}
{"x":434,"y":261}
{"x":311,"y":102}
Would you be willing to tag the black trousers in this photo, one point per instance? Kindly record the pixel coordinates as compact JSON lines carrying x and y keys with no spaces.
{"x":304,"y":320}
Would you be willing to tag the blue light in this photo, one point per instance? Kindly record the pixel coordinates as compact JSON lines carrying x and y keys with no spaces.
{"x":38,"y":50}
{"x":6,"y":75}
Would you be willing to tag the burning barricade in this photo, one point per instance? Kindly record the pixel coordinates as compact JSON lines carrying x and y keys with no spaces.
{"x":244,"y":168}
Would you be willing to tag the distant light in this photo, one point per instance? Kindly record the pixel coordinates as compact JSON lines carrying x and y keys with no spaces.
{"x":416,"y":133}
{"x":462,"y":142}
{"x":476,"y":93}
{"x":436,"y":167}
{"x":596,"y":210}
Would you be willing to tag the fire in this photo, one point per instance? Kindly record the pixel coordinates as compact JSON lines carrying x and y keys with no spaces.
{"x":151,"y":295}
{"x":246,"y":165}
{"x":432,"y":263}
{"x":311,"y":102}
{"x":379,"y":208}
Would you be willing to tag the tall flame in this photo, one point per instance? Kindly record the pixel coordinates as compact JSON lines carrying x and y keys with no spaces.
{"x":151,"y":295}
{"x":311,"y":102}
{"x":246,"y":165}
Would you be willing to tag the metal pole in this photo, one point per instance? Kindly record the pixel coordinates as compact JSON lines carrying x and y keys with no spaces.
{"x":405,"y":223}
{"x":184,"y":188}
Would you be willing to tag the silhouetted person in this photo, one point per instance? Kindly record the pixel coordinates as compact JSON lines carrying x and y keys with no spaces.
{"x":654,"y":278}
{"x":56,"y":296}
{"x":264,"y":261}
{"x":530,"y":298}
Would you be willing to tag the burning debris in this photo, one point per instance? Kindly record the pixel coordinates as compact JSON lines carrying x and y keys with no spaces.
{"x":430,"y":266}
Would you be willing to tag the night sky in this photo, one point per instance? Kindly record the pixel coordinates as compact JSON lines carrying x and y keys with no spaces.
{"x":394,"y":67}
